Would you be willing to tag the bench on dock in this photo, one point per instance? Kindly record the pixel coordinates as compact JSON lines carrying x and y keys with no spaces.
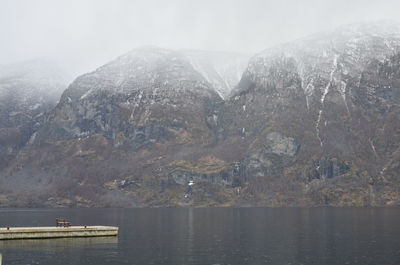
{"x":62,"y":223}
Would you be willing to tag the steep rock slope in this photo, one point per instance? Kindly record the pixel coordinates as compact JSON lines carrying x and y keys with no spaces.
{"x":27,"y":91}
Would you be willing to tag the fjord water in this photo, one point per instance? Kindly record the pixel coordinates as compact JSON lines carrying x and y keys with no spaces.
{"x":213,"y":236}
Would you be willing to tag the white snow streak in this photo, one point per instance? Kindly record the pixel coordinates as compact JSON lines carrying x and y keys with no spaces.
{"x":373,"y":147}
{"x":394,"y":155}
{"x":326,"y":90}
{"x":342,"y":89}
{"x":308,"y":91}
{"x":86,"y":94}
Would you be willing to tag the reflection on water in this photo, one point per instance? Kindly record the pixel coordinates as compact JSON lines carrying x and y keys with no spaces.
{"x":173,"y":236}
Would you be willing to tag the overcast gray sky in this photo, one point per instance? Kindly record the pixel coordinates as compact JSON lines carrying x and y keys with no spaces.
{"x":82,"y":35}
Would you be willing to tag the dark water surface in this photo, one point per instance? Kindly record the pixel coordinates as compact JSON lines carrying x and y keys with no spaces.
{"x":213,"y":236}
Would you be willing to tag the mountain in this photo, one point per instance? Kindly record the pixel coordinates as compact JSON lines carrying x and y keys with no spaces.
{"x":122,"y":123}
{"x":320,"y":118}
{"x":27,"y":90}
{"x":311,"y":122}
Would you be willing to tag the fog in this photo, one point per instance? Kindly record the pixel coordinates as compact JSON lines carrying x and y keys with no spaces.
{"x":82,"y":35}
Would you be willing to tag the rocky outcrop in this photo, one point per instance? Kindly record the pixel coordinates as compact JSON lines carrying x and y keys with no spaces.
{"x":326,"y":169}
{"x":206,"y":169}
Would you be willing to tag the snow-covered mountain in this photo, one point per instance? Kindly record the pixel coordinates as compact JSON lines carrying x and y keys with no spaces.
{"x":144,"y":87}
{"x":336,"y":97}
{"x":326,"y":63}
{"x":343,"y":50}
{"x":107,"y":121}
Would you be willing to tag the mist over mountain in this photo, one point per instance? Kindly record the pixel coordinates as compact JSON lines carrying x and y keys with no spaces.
{"x":310,"y":122}
{"x":27,"y":91}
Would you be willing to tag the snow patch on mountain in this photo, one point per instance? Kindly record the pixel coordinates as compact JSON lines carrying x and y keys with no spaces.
{"x":222,"y":70}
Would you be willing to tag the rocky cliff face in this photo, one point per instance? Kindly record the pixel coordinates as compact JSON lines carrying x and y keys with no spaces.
{"x":312,"y":122}
{"x":27,"y":91}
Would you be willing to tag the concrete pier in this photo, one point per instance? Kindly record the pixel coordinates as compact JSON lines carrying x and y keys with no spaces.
{"x":57,"y":232}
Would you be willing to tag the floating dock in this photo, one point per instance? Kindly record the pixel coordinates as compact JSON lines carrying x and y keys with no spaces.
{"x":56,"y":232}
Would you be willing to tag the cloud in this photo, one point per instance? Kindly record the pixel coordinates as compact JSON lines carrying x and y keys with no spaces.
{"x":85,"y":34}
